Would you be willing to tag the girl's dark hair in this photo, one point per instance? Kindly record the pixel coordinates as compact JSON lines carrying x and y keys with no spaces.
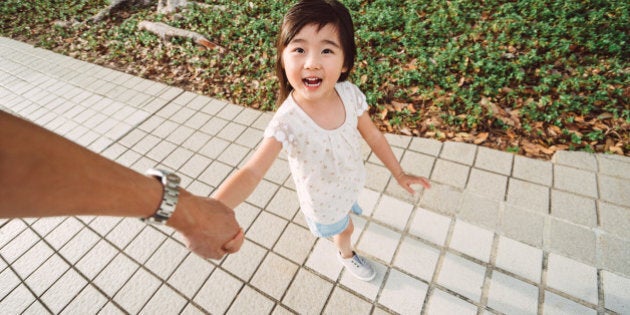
{"x":321,"y":13}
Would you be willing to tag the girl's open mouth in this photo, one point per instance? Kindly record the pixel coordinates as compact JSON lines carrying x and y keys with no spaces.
{"x":312,"y":82}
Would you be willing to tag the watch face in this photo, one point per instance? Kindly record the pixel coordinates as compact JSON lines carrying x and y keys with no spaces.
{"x":173,"y":178}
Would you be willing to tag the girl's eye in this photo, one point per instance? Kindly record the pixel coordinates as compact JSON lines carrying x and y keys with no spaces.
{"x":298,"y":50}
{"x":327,"y":51}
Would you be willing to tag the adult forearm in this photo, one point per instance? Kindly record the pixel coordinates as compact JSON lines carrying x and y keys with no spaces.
{"x":43,"y":174}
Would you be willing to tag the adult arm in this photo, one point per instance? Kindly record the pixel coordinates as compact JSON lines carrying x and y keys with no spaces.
{"x":383,"y":151}
{"x":43,"y":174}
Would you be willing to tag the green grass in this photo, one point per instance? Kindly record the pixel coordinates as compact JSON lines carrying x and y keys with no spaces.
{"x":531,"y":69}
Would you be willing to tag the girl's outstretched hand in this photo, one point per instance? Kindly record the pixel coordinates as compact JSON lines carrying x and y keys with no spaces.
{"x":406,"y":180}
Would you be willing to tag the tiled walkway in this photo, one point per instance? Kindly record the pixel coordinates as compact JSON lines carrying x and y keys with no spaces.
{"x":497,"y":233}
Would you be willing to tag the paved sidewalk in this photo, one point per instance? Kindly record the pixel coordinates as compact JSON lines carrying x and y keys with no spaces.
{"x":497,"y":233}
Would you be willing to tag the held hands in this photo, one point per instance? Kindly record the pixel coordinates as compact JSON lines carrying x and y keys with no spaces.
{"x":406,"y":180}
{"x":208,"y":226}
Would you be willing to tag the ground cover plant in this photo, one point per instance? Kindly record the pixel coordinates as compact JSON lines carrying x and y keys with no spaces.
{"x":527,"y":76}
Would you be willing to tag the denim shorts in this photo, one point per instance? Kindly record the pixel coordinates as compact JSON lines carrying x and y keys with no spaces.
{"x":327,"y":230}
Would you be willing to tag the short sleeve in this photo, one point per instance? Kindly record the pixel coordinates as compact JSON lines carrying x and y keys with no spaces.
{"x":360,"y":100}
{"x":280,"y":132}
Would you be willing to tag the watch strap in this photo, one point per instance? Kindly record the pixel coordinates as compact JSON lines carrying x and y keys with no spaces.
{"x":170,"y":196}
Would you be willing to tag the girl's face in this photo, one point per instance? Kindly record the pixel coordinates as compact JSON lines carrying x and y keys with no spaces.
{"x":313,"y":61}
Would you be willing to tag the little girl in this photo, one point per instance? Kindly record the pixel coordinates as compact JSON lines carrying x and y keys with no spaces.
{"x":320,"y":123}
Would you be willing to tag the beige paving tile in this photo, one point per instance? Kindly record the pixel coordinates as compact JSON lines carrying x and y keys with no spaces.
{"x":462,"y":276}
{"x":274,"y":275}
{"x":441,"y":302}
{"x":472,"y":240}
{"x":250,"y":301}
{"x":403,"y":294}
{"x":417,"y":258}
{"x":616,"y":290}
{"x":393,"y":212}
{"x":379,"y":241}
{"x":519,"y":258}
{"x":216,"y":295}
{"x":343,"y":302}
{"x":572,"y":277}
{"x":244,"y":263}
{"x":512,"y":296}
{"x":430,"y":226}
{"x":556,"y":304}
{"x":308,"y":293}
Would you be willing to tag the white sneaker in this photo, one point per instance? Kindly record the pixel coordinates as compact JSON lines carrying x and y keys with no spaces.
{"x":358,"y":266}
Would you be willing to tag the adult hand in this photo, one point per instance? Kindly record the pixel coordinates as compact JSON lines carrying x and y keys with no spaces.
{"x":208,"y":226}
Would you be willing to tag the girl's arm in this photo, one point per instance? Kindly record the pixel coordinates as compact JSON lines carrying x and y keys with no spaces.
{"x":242,"y":183}
{"x":383,"y":151}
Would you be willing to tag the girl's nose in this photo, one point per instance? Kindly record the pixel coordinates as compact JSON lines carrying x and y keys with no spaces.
{"x":312,"y":62}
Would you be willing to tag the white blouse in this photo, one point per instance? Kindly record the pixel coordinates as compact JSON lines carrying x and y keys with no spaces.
{"x":326,"y":165}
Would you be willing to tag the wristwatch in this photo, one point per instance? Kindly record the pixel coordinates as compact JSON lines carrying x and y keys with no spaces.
{"x":170,"y":182}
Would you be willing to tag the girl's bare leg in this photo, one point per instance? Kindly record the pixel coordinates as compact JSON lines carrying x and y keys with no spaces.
{"x":343,"y":241}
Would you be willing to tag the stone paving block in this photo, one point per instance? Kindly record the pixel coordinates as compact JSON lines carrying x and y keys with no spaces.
{"x":614,"y":189}
{"x":165,"y":300}
{"x":523,"y":226}
{"x":249,"y":301}
{"x":526,"y":195}
{"x":295,"y":243}
{"x":19,"y":245}
{"x":266,"y":229}
{"x":96,"y":259}
{"x":376,"y":177}
{"x":441,"y":302}
{"x":18,"y":300}
{"x":165,"y":259}
{"x":216,"y":295}
{"x":403,"y":294}
{"x":136,"y":291}
{"x":479,"y":210}
{"x":572,"y":240}
{"x":89,"y":301}
{"x":572,"y":277}
{"x":494,"y":160}
{"x":555,"y":304}
{"x":190,"y":275}
{"x":519,"y":258}
{"x":615,"y":219}
{"x":323,"y":259}
{"x":308,"y":293}
{"x":430,"y":226}
{"x":615,"y":254}
{"x":393,"y":212}
{"x":614,"y":165}
{"x":462,"y":276}
{"x":512,"y":296}
{"x":365,"y":289}
{"x":379,"y":241}
{"x":115,"y":274}
{"x":417,"y":163}
{"x":344,"y":302}
{"x":441,"y":198}
{"x":30,"y":260}
{"x":616,"y":290}
{"x":487,"y":184}
{"x":431,"y":147}
{"x":472,"y":240}
{"x":79,"y":245}
{"x":244,"y":263}
{"x":532,"y":170}
{"x":575,"y":181}
{"x":573,"y":208}
{"x":274,"y":275}
{"x":460,"y":152}
{"x":450,"y":173}
{"x":417,"y":258}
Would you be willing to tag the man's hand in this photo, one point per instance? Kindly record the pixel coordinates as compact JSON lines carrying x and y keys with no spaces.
{"x":208,"y":226}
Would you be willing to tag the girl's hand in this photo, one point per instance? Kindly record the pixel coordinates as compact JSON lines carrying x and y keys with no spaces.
{"x":406,"y":180}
